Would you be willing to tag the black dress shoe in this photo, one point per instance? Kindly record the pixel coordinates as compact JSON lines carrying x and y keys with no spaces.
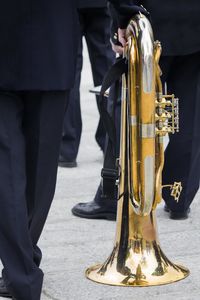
{"x":176,"y":215}
{"x":62,"y":162}
{"x":94,"y":210}
{"x":3,"y":290}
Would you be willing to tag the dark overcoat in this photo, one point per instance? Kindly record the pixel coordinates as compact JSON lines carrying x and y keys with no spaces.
{"x":92,"y":3}
{"x":176,"y":23}
{"x":37,"y":44}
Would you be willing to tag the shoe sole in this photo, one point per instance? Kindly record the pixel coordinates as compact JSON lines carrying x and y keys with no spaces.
{"x":175,"y":216}
{"x":6,"y":296}
{"x":178,"y":218}
{"x":110,"y":217}
{"x":67,"y":164}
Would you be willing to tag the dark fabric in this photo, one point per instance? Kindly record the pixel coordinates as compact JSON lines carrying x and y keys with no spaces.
{"x":110,"y":172}
{"x":30,"y":134}
{"x":94,"y":25}
{"x":175,"y":23}
{"x":91,"y":3}
{"x":114,"y":109}
{"x":115,"y":97}
{"x":100,"y":198}
{"x":125,"y":10}
{"x":38,"y":44}
{"x":103,"y":201}
{"x":182,"y":156}
{"x":72,"y":126}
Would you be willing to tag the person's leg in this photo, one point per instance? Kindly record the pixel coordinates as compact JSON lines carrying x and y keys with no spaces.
{"x":182,"y":156}
{"x":102,"y":207}
{"x":72,"y":127}
{"x":22,"y":276}
{"x":97,"y":34}
{"x":43,"y":130}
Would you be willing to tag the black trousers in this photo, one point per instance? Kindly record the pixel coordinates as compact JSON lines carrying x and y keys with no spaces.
{"x":30,"y":135}
{"x":182,"y":156}
{"x":95,"y":26}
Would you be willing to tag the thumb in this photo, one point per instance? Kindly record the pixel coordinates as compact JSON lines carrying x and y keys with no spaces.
{"x":122,"y":36}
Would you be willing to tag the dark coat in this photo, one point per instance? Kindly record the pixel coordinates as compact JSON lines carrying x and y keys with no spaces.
{"x":92,"y":3}
{"x":176,"y":23}
{"x":38,"y":44}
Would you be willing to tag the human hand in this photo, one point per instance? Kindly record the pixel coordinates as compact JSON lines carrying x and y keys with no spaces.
{"x":119,"y":49}
{"x":122,"y":36}
{"x":116,"y":48}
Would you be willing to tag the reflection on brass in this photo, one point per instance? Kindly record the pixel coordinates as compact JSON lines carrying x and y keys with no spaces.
{"x":133,"y":120}
{"x":147,"y":131}
{"x":146,"y":116}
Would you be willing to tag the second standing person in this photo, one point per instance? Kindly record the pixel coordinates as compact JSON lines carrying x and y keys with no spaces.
{"x":95,"y":27}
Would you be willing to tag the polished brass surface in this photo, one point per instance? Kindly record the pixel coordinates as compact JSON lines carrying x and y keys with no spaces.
{"x":146,"y":117}
{"x":137,"y":258}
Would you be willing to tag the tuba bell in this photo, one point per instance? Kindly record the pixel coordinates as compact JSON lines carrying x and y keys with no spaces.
{"x":146,"y":117}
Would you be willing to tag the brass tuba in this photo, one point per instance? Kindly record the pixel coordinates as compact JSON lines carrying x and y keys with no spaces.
{"x":146,"y":117}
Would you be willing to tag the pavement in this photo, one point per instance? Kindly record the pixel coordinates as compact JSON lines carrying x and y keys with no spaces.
{"x":72,"y":244}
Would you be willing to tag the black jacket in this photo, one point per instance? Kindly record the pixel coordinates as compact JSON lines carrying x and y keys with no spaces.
{"x":176,"y":23}
{"x":38,"y":43}
{"x":91,"y":3}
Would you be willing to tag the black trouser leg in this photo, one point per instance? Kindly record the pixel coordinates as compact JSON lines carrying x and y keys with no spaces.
{"x":22,"y":276}
{"x":43,"y":136}
{"x":26,"y":120}
{"x":72,"y":126}
{"x":97,"y":34}
{"x":182,"y":156}
{"x":115,"y":93}
{"x":95,"y":26}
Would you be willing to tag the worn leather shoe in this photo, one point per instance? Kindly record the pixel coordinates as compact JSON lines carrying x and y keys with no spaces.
{"x":176,"y":215}
{"x":3,"y":290}
{"x":94,"y":210}
{"x":62,"y":162}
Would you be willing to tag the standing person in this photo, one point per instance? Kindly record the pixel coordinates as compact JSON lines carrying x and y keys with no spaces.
{"x":95,"y":27}
{"x":37,"y":61}
{"x":177,"y":26}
